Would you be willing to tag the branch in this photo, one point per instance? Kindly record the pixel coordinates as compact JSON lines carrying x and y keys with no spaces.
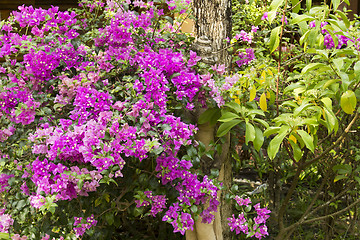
{"x":335,"y":144}
{"x":329,"y":201}
{"x":333,"y":214}
{"x":279,"y":61}
{"x":287,"y":198}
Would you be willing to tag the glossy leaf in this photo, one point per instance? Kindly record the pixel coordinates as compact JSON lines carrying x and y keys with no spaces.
{"x":261,"y":121}
{"x":297,"y":153}
{"x":252,"y":93}
{"x":308,"y":140}
{"x":228,"y":116}
{"x":225,"y":127}
{"x":348,"y":102}
{"x":274,"y":39}
{"x":274,"y":144}
{"x":271,"y":130}
{"x":249,"y":133}
{"x":259,"y":139}
{"x":301,"y":108}
{"x":302,"y":18}
{"x":275,"y":4}
{"x":263,"y":104}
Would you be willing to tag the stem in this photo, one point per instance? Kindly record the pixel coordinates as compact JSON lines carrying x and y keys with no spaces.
{"x":333,"y":214}
{"x":329,"y":201}
{"x":288,"y":196}
{"x":335,"y":144}
{"x":279,"y":61}
{"x":296,"y":4}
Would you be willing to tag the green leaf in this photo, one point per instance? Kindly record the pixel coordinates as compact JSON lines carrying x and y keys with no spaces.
{"x":235,"y":106}
{"x":20,"y":204}
{"x":110,"y":216}
{"x":208,"y":115}
{"x":169,"y":19}
{"x":344,"y":80}
{"x":313,"y":66}
{"x":228,"y":116}
{"x":308,"y":4}
{"x":357,"y":69}
{"x":271,"y":130}
{"x":274,"y":39}
{"x":249,"y":133}
{"x":339,"y":63}
{"x":308,"y":140}
{"x":297,"y":4}
{"x":343,"y":169}
{"x":262,"y":122}
{"x":297,"y":153}
{"x":194,"y":209}
{"x":348,"y":102}
{"x":330,"y":120}
{"x":344,"y":18}
{"x":225,"y":127}
{"x":327,"y":102}
{"x":274,"y":145}
{"x":329,"y":83}
{"x":336,"y":4}
{"x":301,"y":108}
{"x":339,"y":177}
{"x":301,"y":18}
{"x":4,"y":236}
{"x":275,"y":4}
{"x":259,"y":139}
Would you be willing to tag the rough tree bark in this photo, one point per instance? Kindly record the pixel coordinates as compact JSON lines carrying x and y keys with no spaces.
{"x":213,"y":25}
{"x":213,"y":19}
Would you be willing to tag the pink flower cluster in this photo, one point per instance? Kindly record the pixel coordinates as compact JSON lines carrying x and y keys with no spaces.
{"x":5,"y":221}
{"x":83,"y":225}
{"x":157,"y":202}
{"x":244,"y":36}
{"x":328,"y":40}
{"x":246,"y":57}
{"x":4,"y":184}
{"x":253,"y":228}
{"x":81,"y":130}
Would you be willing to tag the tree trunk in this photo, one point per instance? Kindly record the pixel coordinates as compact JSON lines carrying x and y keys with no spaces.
{"x":213,"y":19}
{"x":213,"y":25}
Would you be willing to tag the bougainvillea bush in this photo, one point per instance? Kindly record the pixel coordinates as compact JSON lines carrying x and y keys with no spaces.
{"x":91,"y":134}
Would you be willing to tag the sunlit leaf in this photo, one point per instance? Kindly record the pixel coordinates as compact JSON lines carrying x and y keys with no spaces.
{"x":252,"y":93}
{"x":263,"y":104}
{"x":348,"y":102}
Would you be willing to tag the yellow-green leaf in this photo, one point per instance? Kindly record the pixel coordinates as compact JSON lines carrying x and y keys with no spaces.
{"x":348,"y":102}
{"x":274,"y":38}
{"x":252,"y":93}
{"x":263,"y":104}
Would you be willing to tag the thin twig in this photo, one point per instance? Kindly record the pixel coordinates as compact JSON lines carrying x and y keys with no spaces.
{"x":336,"y":142}
{"x":279,"y":61}
{"x":333,"y":214}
